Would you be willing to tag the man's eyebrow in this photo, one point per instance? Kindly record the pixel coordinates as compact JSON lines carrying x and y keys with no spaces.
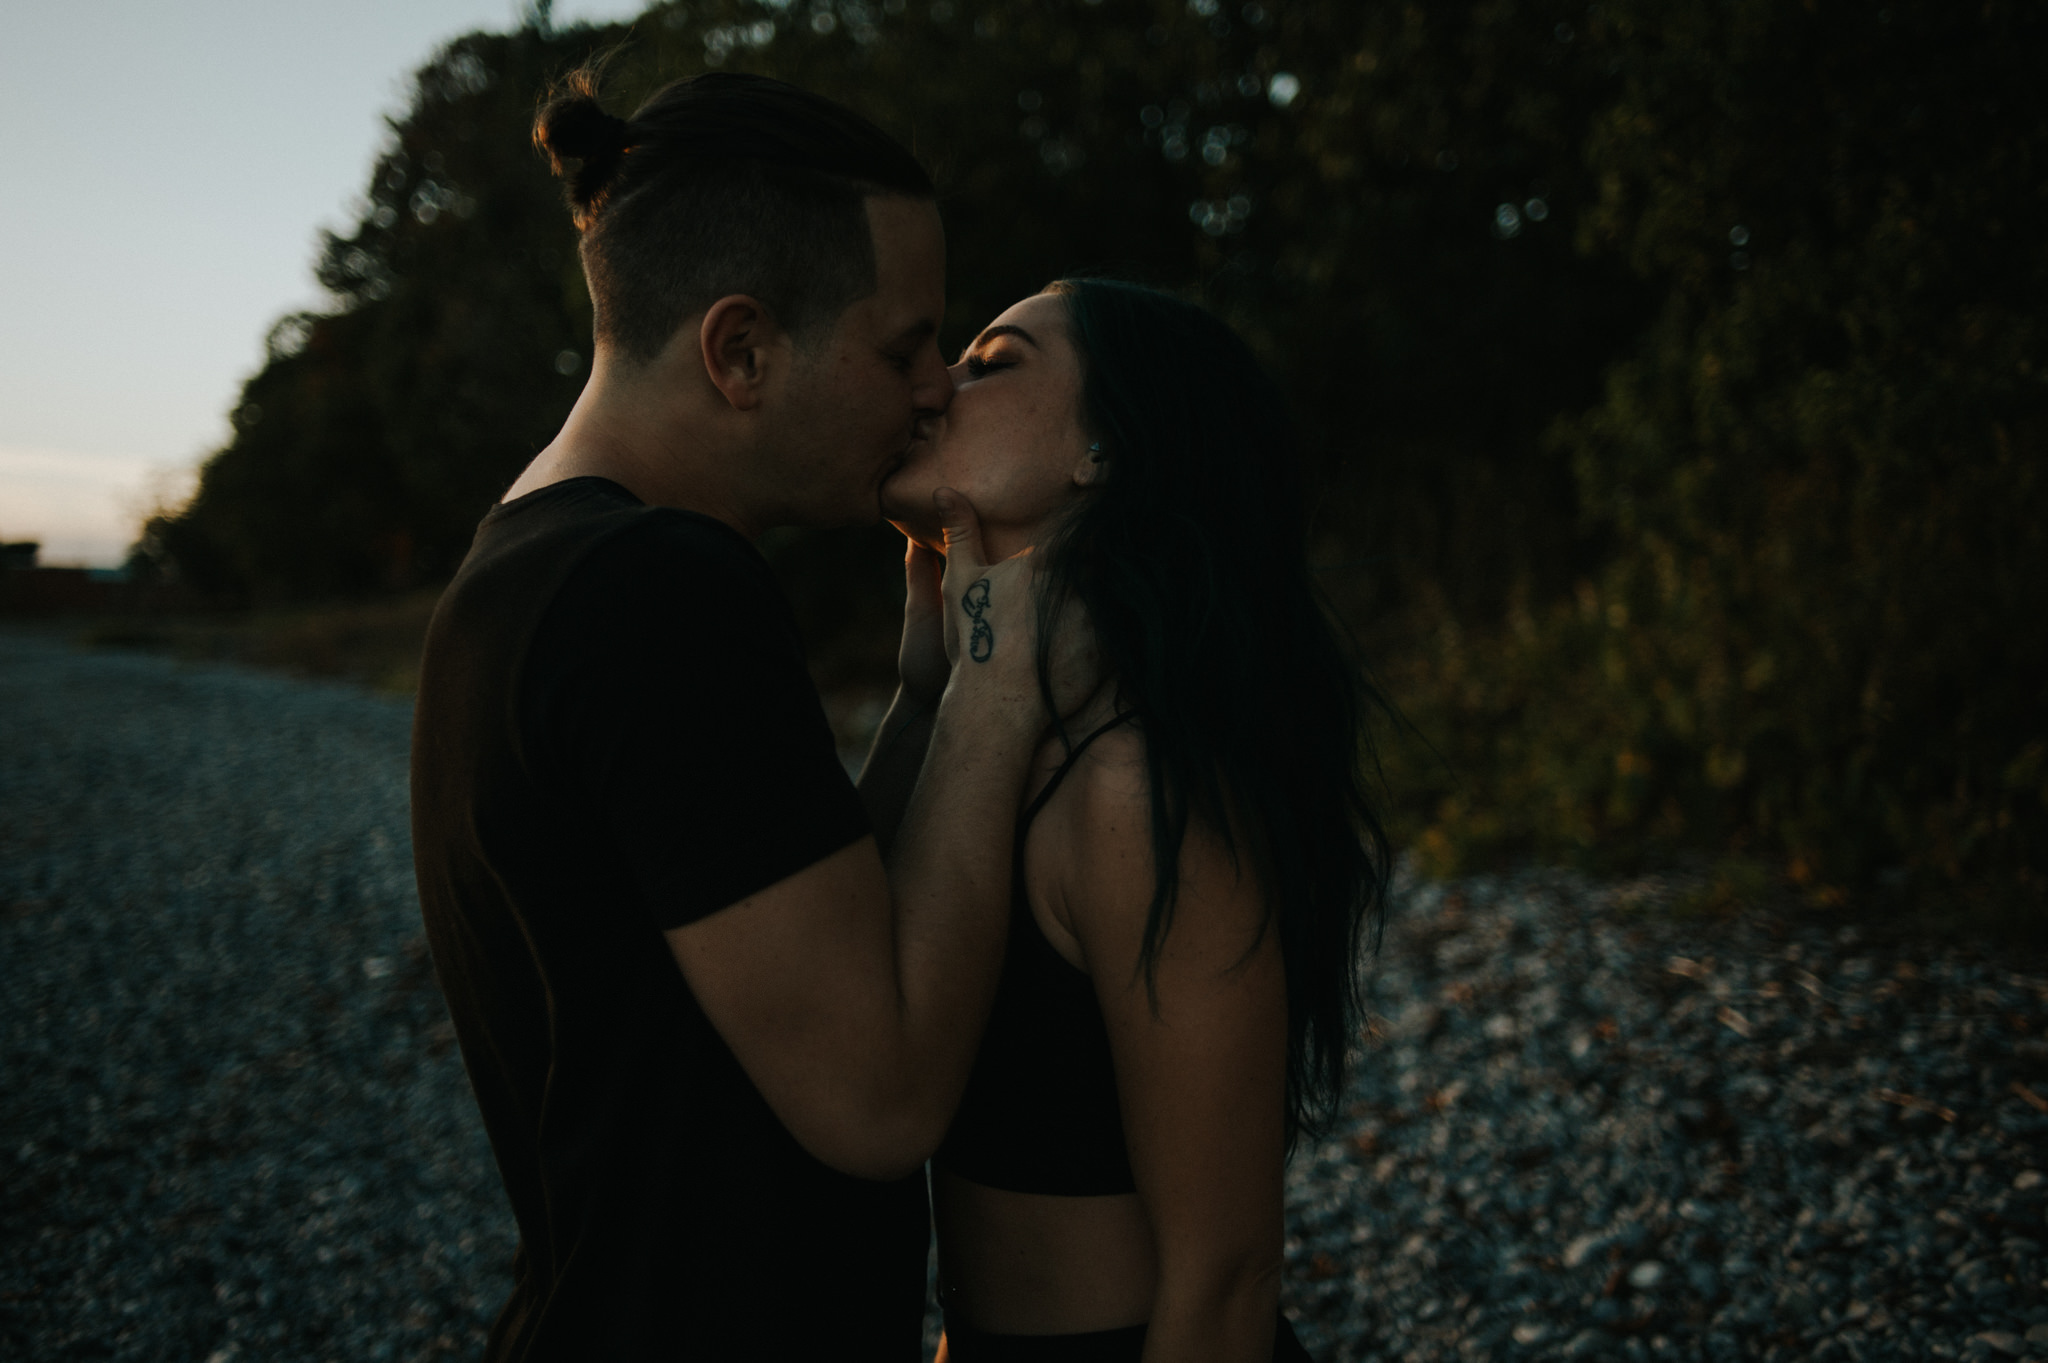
{"x":1005,"y":330}
{"x":914,"y":334}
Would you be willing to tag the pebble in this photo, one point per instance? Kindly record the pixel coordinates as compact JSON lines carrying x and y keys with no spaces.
{"x":1589,"y":1344}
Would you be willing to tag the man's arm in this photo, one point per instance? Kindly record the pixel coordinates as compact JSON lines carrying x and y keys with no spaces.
{"x":855,"y":998}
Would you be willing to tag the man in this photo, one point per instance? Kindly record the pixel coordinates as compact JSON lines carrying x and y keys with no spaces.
{"x":712,"y":1038}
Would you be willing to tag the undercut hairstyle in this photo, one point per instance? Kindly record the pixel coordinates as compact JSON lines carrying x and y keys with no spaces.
{"x":720,"y":184}
{"x":1190,"y":557}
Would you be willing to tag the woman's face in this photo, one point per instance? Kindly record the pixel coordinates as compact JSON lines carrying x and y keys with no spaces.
{"x":1012,"y":442}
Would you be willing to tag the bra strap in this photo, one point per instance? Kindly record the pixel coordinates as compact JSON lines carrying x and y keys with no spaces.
{"x":1073,"y":755}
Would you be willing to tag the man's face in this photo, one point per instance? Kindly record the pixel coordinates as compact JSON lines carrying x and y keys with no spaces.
{"x":856,"y":395}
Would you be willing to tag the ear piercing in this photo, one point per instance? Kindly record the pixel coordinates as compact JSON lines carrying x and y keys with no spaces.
{"x":1096,"y":450}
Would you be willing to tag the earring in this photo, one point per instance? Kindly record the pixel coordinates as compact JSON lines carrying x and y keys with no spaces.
{"x":1096,"y":450}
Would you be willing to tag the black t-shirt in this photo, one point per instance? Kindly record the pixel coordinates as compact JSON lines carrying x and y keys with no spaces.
{"x":616,"y":735}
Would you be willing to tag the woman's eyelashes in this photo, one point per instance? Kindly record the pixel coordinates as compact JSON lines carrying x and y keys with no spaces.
{"x":980,"y":366}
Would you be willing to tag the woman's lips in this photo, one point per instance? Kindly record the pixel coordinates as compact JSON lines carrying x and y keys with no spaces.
{"x":922,"y":430}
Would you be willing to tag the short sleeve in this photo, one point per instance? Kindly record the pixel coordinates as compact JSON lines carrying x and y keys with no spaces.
{"x":665,"y":696}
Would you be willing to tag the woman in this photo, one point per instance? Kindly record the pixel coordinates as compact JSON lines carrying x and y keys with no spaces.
{"x":1197,"y":859}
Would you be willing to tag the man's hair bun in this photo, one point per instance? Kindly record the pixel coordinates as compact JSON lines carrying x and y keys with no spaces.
{"x":573,"y":126}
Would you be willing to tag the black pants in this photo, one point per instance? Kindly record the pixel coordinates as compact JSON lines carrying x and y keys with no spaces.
{"x":966,"y":1345}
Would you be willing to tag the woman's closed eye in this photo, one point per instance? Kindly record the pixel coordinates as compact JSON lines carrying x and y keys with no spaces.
{"x":980,"y":366}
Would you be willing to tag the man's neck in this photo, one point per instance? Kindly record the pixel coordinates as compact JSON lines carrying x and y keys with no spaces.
{"x":649,"y":448}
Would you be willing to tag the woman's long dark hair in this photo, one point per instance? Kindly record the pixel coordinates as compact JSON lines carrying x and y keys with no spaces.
{"x":1190,"y":557}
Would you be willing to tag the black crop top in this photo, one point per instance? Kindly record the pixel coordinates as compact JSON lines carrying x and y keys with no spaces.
{"x":1040,"y":1113}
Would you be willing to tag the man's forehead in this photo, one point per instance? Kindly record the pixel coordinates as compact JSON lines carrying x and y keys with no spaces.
{"x":910,"y":262}
{"x":903,"y":225}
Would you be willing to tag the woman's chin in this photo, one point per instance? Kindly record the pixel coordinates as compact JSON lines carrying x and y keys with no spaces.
{"x":911,"y":511}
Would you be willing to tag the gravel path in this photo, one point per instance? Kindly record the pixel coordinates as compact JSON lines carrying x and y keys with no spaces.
{"x":232,"y":1123}
{"x":1586,"y":1129}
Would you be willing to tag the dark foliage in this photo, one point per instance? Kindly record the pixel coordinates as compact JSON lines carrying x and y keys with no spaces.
{"x":1817,"y":473}
{"x":1671,"y":372}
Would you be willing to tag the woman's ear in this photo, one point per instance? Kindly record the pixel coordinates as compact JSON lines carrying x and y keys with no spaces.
{"x":1092,"y":468}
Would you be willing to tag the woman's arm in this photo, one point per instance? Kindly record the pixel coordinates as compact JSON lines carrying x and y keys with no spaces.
{"x":1201,"y":1078}
{"x":890,"y":773}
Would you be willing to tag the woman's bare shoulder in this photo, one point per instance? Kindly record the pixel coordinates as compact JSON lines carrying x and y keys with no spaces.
{"x":1104,"y":829}
{"x":1108,"y":798}
{"x":1105,"y":880}
{"x":1091,"y":848}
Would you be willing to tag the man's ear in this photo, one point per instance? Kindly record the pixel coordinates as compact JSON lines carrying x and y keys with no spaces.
{"x":738,"y":339}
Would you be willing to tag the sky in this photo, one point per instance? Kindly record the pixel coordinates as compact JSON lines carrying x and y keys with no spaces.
{"x":170,"y":166}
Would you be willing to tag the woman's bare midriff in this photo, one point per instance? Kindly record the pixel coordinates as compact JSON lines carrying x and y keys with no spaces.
{"x":1032,"y":1264}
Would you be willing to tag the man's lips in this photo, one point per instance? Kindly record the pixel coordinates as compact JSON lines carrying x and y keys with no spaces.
{"x":920,"y":434}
